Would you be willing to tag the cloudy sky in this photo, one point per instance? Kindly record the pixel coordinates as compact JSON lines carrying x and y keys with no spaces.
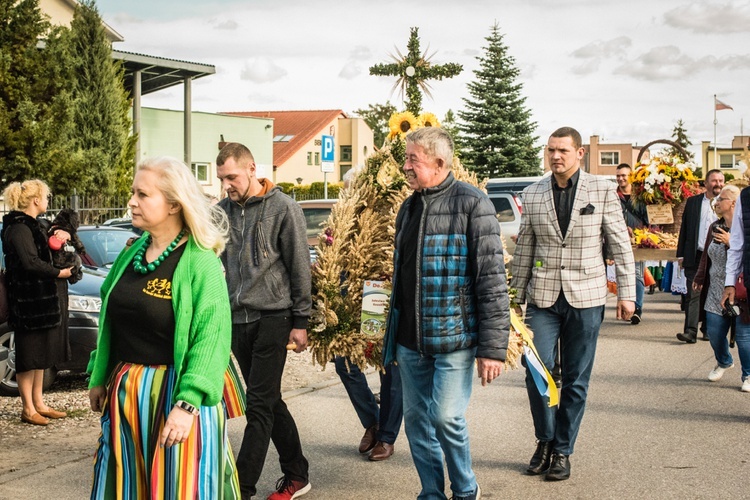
{"x":626,"y":71}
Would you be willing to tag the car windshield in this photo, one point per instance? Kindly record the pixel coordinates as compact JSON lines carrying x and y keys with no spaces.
{"x":314,"y":217}
{"x":104,"y":245}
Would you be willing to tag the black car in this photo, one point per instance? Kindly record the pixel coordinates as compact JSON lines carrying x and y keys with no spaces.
{"x":103,"y":244}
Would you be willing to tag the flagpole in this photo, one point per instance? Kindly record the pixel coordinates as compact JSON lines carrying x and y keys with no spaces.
{"x":716,"y":161}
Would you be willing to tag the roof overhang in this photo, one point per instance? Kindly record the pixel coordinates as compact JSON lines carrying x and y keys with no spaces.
{"x":159,"y":73}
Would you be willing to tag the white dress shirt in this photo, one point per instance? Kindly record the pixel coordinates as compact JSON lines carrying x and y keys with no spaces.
{"x":708,"y":217}
{"x":736,"y":242}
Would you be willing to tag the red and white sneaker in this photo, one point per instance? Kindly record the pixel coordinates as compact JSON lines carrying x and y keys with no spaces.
{"x":287,"y":489}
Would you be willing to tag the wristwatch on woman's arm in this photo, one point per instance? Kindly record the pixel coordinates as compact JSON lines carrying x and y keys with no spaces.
{"x":185,"y":406}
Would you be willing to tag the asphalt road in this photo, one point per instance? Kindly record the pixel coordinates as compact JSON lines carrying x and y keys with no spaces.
{"x":654,"y":428}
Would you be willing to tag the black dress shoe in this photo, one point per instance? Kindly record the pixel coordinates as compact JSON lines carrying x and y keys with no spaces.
{"x":559,"y":468}
{"x":540,"y":460}
{"x":368,"y":440}
{"x":686,"y":337}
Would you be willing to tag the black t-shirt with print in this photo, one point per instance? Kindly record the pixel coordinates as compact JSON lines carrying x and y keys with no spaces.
{"x":141,"y":314}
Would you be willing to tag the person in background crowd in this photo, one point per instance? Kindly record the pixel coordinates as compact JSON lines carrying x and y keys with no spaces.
{"x":267,"y":266}
{"x":157,"y":374}
{"x":712,"y":272}
{"x":37,"y":296}
{"x":381,"y":423}
{"x":558,"y":266}
{"x":690,"y":248}
{"x":635,"y":218}
{"x":738,"y":265}
{"x":449,"y":309}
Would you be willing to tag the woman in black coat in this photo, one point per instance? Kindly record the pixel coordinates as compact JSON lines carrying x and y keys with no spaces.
{"x":35,"y":292}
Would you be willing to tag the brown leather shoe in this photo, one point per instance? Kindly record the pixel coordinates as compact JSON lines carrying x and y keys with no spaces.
{"x":368,"y":440}
{"x":35,"y":419}
{"x":50,"y":413}
{"x":382,"y":451}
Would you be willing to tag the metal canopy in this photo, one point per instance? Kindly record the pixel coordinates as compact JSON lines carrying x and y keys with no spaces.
{"x":159,"y":73}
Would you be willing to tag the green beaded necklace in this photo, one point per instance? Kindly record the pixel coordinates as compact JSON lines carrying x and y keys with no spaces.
{"x":138,"y":265}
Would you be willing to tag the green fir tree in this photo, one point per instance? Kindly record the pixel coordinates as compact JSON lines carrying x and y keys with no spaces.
{"x":105,"y":150}
{"x":35,"y":101}
{"x":679,"y":135}
{"x":497,"y":132}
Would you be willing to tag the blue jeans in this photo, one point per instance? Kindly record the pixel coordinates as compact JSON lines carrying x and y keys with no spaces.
{"x":388,"y":417}
{"x":437,"y":389}
{"x":577,"y":331}
{"x":717,"y":328}
{"x":639,"y":285}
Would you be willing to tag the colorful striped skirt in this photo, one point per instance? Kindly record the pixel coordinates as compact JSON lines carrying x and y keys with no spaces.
{"x":129,"y":462}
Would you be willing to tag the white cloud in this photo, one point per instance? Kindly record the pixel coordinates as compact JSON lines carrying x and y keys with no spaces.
{"x":350,"y":71}
{"x":587,"y":67}
{"x":262,"y":70}
{"x":669,"y":63}
{"x":705,"y":17}
{"x":361,"y":53}
{"x":610,"y":48}
{"x":229,"y":24}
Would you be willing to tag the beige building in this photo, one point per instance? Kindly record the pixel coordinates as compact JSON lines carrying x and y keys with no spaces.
{"x":61,"y":12}
{"x":297,"y":143}
{"x":727,"y":158}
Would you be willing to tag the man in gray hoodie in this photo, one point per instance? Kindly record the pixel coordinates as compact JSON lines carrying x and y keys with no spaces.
{"x":267,"y":264}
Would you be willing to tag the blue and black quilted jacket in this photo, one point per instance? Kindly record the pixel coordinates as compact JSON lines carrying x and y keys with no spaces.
{"x":462,"y":293}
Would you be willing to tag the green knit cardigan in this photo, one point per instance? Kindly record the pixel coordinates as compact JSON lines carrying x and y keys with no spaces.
{"x":203,"y":325}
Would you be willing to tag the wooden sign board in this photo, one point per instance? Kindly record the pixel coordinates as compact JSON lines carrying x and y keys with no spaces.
{"x":660,"y":214}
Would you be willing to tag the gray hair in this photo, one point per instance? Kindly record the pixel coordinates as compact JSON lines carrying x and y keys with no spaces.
{"x":436,"y":142}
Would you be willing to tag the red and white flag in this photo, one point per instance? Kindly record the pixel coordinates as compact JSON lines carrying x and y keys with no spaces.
{"x":720,"y":105}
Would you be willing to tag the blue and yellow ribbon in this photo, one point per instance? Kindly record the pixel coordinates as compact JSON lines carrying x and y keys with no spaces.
{"x":542,"y":377}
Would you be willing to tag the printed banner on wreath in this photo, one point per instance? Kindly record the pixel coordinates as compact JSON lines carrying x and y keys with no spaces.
{"x":660,"y":214}
{"x":375,"y":296}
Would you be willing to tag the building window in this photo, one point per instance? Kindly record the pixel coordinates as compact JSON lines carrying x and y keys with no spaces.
{"x":609,"y":158}
{"x":346,"y":153}
{"x":200,"y":171}
{"x":317,"y":158}
{"x":309,"y":157}
{"x":727,"y":161}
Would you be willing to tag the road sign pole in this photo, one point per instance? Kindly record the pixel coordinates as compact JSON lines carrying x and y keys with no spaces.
{"x":327,"y":161}
{"x":325,"y":185}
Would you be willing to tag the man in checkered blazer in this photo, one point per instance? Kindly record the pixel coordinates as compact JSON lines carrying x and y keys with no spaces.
{"x":558,"y":268}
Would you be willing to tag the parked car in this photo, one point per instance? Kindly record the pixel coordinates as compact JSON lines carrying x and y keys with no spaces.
{"x":84,"y":303}
{"x":316,"y":213}
{"x":123,"y":223}
{"x":507,"y":196}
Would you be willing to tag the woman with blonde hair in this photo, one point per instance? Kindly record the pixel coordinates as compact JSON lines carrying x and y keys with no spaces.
{"x":158,"y":373}
{"x":37,"y":298}
{"x":712,"y":273}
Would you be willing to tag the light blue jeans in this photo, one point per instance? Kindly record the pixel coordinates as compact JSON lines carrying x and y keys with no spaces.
{"x":436,"y":391}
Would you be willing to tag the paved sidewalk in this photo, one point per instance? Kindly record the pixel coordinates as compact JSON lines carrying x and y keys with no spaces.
{"x":654,"y":428}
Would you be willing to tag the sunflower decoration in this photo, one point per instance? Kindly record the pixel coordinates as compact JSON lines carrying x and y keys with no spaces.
{"x":428,"y":120}
{"x":401,"y":124}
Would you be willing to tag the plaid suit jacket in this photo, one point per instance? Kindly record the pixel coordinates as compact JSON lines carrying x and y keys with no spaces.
{"x":546,"y":261}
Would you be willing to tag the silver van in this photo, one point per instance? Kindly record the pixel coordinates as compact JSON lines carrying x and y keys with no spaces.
{"x":506,"y":195}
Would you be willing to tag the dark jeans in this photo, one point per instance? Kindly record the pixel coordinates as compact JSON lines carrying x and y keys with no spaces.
{"x":260,"y":349}
{"x":391,"y":411}
{"x":577,"y":331}
{"x":692,"y":303}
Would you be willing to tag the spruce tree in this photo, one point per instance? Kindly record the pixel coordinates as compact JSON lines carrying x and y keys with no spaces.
{"x":101,"y":107}
{"x":35,"y":112}
{"x":497,"y":130}
{"x":679,"y":135}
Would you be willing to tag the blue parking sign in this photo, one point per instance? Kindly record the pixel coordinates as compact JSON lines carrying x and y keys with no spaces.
{"x":327,"y":149}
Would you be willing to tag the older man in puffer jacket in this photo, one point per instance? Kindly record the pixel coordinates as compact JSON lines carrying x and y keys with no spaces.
{"x":449,"y":306}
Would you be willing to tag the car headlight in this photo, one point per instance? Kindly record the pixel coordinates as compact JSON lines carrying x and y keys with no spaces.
{"x":84,"y":303}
